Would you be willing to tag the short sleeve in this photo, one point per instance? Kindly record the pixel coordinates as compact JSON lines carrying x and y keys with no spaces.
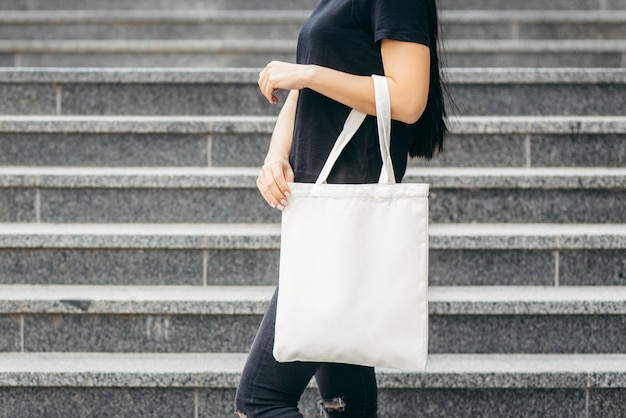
{"x":401,"y":20}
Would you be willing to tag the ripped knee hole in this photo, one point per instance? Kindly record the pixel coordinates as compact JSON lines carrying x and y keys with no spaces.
{"x":333,"y":405}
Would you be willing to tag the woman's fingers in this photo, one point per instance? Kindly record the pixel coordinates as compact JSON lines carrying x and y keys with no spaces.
{"x":279,"y":178}
{"x":272,"y":183}
{"x":265,"y":85}
{"x":268,"y":188}
{"x":279,"y":75}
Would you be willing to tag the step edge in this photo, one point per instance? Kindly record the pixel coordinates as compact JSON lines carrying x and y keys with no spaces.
{"x":223,"y":370}
{"x":181,"y":178}
{"x":253,"y":300}
{"x":267,"y":236}
{"x":155,"y":75}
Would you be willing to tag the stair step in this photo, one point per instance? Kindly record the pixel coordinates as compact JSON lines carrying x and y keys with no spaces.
{"x":541,"y":25}
{"x":267,"y":236}
{"x":152,"y":24}
{"x":294,"y":4}
{"x":254,"y":53}
{"x":534,"y":5}
{"x":177,"y":178}
{"x":153,"y":92}
{"x":236,"y":141}
{"x":536,"y":53}
{"x":481,"y":319}
{"x":252,"y":300}
{"x":204,"y":384}
{"x":264,"y":124}
{"x":277,"y":5}
{"x":210,"y":195}
{"x":243,"y":254}
{"x":286,"y":24}
{"x":222,"y":370}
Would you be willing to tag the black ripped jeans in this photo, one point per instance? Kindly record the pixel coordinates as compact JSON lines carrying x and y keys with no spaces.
{"x":271,"y":389}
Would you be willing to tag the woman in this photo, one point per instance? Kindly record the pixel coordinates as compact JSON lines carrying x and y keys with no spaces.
{"x":340,"y":46}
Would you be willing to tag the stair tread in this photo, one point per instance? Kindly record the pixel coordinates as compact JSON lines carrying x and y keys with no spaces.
{"x":169,"y":16}
{"x":245,"y":177}
{"x":267,"y":236}
{"x":264,"y":124}
{"x":443,"y":300}
{"x":223,"y":369}
{"x":250,"y":16}
{"x":152,"y":75}
{"x":288,"y":45}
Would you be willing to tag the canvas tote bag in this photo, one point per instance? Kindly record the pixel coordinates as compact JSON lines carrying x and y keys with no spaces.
{"x":353,"y":280}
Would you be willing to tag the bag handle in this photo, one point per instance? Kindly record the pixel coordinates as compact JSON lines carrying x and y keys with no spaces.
{"x":354,"y":121}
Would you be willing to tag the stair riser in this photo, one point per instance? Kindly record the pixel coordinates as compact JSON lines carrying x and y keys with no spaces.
{"x":214,"y":205}
{"x":139,"y":59}
{"x":134,"y":150}
{"x":496,"y":58}
{"x":208,"y":99}
{"x":538,"y":100}
{"x":151,"y":31}
{"x":260,"y":267}
{"x":239,"y":99}
{"x":535,"y":150}
{"x":248,"y":150}
{"x":117,"y":402}
{"x":396,"y":403}
{"x":534,"y":30}
{"x":534,"y":4}
{"x":467,"y":403}
{"x":293,"y":4}
{"x":158,"y":4}
{"x":131,"y":150}
{"x":584,"y":59}
{"x":10,"y":334}
{"x":289,"y":29}
{"x":234,"y":333}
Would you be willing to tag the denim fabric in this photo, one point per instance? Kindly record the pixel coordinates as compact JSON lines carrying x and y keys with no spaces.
{"x":271,"y":389}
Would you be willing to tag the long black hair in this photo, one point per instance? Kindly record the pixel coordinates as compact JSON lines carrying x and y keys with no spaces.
{"x":431,"y":127}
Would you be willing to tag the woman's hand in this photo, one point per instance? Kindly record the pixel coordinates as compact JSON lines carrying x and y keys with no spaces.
{"x":272,"y":182}
{"x":278,"y":75}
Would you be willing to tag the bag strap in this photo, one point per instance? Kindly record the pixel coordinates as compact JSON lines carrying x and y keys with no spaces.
{"x":383,"y":117}
{"x":354,"y":121}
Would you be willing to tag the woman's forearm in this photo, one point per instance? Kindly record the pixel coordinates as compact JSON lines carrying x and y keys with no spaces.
{"x":280,"y":144}
{"x":276,"y":171}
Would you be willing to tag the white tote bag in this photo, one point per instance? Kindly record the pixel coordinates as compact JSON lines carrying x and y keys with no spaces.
{"x":353,"y":281}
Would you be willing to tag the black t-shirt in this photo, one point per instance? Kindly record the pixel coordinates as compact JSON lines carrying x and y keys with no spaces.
{"x":345,"y":35}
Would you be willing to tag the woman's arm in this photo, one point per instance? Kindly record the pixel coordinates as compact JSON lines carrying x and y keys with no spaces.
{"x":406,"y":65}
{"x":276,"y":170}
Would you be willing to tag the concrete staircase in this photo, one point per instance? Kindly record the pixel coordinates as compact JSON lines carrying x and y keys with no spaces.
{"x":200,"y":38}
{"x":136,"y":257}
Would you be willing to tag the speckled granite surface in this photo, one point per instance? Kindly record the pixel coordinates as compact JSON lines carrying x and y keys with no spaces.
{"x":191,"y":178}
{"x":188,"y":141}
{"x":250,"y":76}
{"x":503,"y":300}
{"x":511,"y":319}
{"x":300,"y":4}
{"x":266,"y":236}
{"x":150,"y":4}
{"x":265,"y":124}
{"x":221,"y":370}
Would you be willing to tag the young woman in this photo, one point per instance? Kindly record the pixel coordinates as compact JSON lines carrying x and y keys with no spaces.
{"x":340,"y":46}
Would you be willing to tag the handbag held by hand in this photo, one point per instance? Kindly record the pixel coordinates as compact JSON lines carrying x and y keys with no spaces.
{"x":353,"y":280}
